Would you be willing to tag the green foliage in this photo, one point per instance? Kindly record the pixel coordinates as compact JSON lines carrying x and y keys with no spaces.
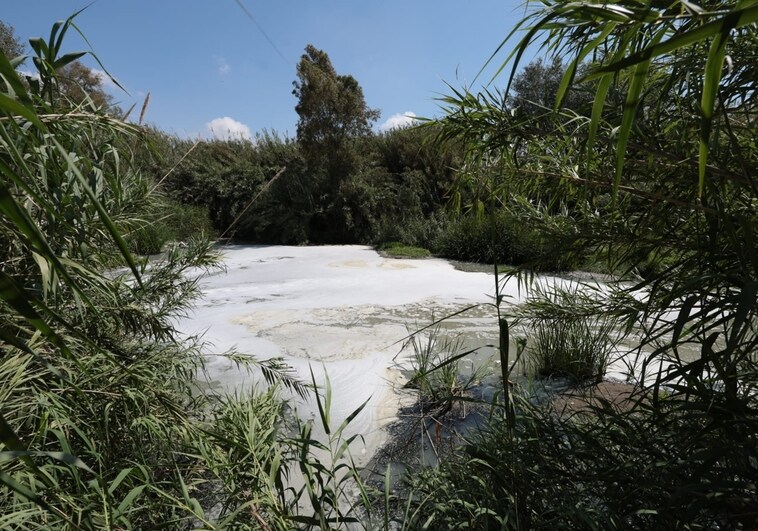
{"x":612,"y":470}
{"x":333,"y":122}
{"x":435,"y":368}
{"x":10,"y":46}
{"x":103,"y":422}
{"x":395,"y":192}
{"x":536,"y":87}
{"x":168,"y":222}
{"x":477,"y":240}
{"x":331,"y":107}
{"x":82,"y":86}
{"x":511,"y":236}
{"x":95,"y":385}
{"x":665,"y":178}
{"x":245,"y":459}
{"x":332,"y":483}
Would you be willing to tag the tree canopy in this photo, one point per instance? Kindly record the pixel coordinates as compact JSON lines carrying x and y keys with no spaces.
{"x":10,"y":45}
{"x":81,"y":84}
{"x":331,"y":107}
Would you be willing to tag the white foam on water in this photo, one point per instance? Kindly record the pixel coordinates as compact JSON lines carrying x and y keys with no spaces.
{"x":343,"y":311}
{"x":339,"y":310}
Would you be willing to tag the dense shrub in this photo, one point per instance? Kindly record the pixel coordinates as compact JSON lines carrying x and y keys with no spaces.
{"x":104,"y":422}
{"x":487,"y":240}
{"x":611,"y":469}
{"x":169,"y":221}
{"x":509,"y":238}
{"x":394,"y":190}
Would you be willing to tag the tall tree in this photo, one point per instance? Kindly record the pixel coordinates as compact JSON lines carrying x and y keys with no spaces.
{"x":535,"y":88}
{"x":334,"y":117}
{"x":81,"y":84}
{"x":10,"y":46}
{"x":331,"y":107}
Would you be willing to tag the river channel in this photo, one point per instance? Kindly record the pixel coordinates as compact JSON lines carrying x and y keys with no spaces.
{"x":342,"y":311}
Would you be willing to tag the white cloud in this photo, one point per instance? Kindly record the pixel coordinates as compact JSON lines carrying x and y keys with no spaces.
{"x":104,"y":78}
{"x":228,"y":129}
{"x":398,"y":121}
{"x":29,"y":73}
{"x":223,"y":67}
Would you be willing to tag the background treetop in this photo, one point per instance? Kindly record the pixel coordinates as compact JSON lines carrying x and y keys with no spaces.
{"x":331,"y":107}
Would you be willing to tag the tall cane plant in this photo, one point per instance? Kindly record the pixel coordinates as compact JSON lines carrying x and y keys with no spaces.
{"x":102,"y":423}
{"x":660,"y":166}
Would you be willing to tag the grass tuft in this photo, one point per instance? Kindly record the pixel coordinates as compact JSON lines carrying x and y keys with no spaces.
{"x":401,"y":250}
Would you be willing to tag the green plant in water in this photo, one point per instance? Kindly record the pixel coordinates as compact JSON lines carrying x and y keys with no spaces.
{"x":435,"y":367}
{"x":578,"y":349}
{"x":562,"y":340}
{"x":401,"y":250}
{"x":333,"y":488}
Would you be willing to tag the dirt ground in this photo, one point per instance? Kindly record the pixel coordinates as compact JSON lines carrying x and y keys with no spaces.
{"x":618,"y":394}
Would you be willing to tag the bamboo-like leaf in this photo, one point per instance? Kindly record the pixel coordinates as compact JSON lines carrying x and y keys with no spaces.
{"x":26,"y":492}
{"x":570,"y":74}
{"x":735,"y":19}
{"x":18,"y":299}
{"x":103,"y":214}
{"x":10,"y":208}
{"x":39,"y":46}
{"x":63,"y":457}
{"x":352,"y":415}
{"x":15,"y":109}
{"x":8,"y":437}
{"x":128,"y":500}
{"x":119,"y":479}
{"x":714,"y":67}
{"x":747,"y":302}
{"x":323,"y":411}
{"x":54,"y":42}
{"x":633,"y":98}
{"x":682,"y":319}
{"x":12,"y":78}
{"x":68,"y":58}
{"x":519,"y":50}
{"x":93,"y":55}
{"x":600,"y":96}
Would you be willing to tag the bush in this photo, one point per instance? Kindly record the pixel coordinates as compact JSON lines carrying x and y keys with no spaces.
{"x":578,"y":348}
{"x":171,"y":222}
{"x":674,"y":468}
{"x":522,"y":236}
{"x":486,"y":240}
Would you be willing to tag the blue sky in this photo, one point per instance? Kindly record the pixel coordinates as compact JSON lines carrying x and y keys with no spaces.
{"x":205,"y":62}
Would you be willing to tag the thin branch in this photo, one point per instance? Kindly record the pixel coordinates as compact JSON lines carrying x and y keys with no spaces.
{"x":253,"y":200}
{"x":174,"y":167}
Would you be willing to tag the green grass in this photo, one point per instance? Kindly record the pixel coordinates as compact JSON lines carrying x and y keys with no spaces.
{"x":435,"y":367}
{"x":578,"y":348}
{"x":401,"y":250}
